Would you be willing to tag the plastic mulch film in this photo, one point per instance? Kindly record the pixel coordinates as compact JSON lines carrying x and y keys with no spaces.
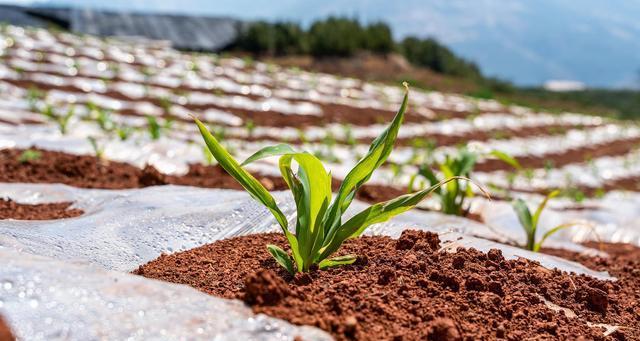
{"x":140,"y":224}
{"x":64,"y":279}
{"x":44,"y":299}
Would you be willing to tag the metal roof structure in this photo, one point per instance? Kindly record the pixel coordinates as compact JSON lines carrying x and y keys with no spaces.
{"x":195,"y":33}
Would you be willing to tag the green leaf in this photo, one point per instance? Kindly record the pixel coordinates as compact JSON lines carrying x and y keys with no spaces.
{"x":154,"y":127}
{"x":543,"y":204}
{"x":378,"y":152}
{"x":378,"y":213}
{"x":279,"y":149}
{"x":429,"y":175}
{"x":337,"y":261}
{"x":551,"y":232}
{"x":524,"y":216}
{"x":506,"y":158}
{"x":465,"y":163}
{"x":281,"y":257}
{"x":253,"y":186}
{"x":312,"y":192}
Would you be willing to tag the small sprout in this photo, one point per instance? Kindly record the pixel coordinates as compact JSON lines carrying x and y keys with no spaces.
{"x":549,"y":165}
{"x":348,"y":135}
{"x":396,"y":169}
{"x":319,"y":230}
{"x":34,"y":95}
{"x":192,"y":66}
{"x":302,"y":136}
{"x":453,"y":196}
{"x":530,"y":222}
{"x":19,"y":70}
{"x":599,"y":193}
{"x":102,"y":117}
{"x":29,"y":155}
{"x":220,"y":133}
{"x":98,"y":150}
{"x":124,"y":132}
{"x":61,"y":120}
{"x":574,"y":193}
{"x":326,"y":153}
{"x":529,"y":174}
{"x":250,"y":126}
{"x":154,"y":127}
{"x":165,"y":103}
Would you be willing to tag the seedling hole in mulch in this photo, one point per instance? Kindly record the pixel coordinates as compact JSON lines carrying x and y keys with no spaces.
{"x":406,"y":289}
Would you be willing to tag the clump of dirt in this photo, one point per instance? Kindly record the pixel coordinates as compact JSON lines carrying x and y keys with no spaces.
{"x":5,"y":332}
{"x":406,"y":289}
{"x":10,"y":209}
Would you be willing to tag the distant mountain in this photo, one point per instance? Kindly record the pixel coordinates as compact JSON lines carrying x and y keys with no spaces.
{"x":529,"y":42}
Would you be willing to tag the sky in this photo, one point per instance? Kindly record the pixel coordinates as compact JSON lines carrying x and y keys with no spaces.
{"x":526,"y":41}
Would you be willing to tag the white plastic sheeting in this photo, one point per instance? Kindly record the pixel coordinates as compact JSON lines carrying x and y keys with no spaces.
{"x":58,"y":281}
{"x":123,"y":229}
{"x":44,"y":299}
{"x":613,"y":219}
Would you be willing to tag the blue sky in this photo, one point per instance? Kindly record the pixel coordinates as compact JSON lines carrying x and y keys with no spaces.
{"x":593,"y":41}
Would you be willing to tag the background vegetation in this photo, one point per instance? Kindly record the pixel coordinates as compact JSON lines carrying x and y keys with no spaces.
{"x":346,"y":38}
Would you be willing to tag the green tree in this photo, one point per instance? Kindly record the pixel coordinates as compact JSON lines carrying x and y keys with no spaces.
{"x":333,"y":36}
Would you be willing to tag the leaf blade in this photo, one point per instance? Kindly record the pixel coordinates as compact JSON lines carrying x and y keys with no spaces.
{"x":337,"y":261}
{"x":378,"y":213}
{"x":281,"y":258}
{"x":506,"y":158}
{"x":276,"y":150}
{"x":246,"y":180}
{"x":378,"y":152}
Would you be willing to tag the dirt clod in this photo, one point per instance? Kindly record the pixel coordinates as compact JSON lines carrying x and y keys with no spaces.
{"x":264,"y":288}
{"x":443,"y":329}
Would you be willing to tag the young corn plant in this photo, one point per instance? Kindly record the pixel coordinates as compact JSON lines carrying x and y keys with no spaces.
{"x":124,"y":132}
{"x":530,"y":221}
{"x":61,"y":120}
{"x":102,"y":117}
{"x":454,"y":195}
{"x":155,"y":128}
{"x":29,"y":155}
{"x":320,"y":229}
{"x":98,"y":150}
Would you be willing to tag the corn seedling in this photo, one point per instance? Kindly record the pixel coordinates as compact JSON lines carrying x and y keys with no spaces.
{"x":453,"y":196}
{"x":124,"y":132}
{"x":101,"y":116}
{"x":250,"y":126}
{"x":155,"y":128}
{"x":34,"y":95}
{"x":326,"y":153}
{"x":319,"y":230}
{"x":348,"y":135}
{"x":98,"y":150}
{"x":61,"y":120}
{"x":165,"y":103}
{"x":529,"y":222}
{"x":29,"y":155}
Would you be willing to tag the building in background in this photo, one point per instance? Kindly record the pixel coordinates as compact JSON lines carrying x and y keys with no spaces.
{"x":194,"y":33}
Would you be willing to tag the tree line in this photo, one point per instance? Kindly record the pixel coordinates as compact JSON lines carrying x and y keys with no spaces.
{"x":344,"y":37}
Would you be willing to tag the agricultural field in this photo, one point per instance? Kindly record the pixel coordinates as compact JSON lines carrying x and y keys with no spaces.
{"x":120,"y":219}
